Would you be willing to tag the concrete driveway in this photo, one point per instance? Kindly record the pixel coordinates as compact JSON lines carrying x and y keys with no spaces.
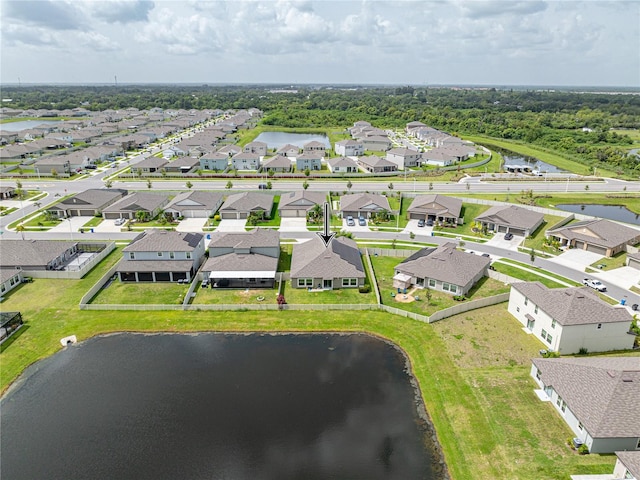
{"x":624,"y":277}
{"x":76,"y":224}
{"x":232,"y":225}
{"x":412,"y":227}
{"x":498,"y":241}
{"x":355,"y":228}
{"x":108,"y":226}
{"x":288,"y":224}
{"x":576,"y":258}
{"x":191,"y":225}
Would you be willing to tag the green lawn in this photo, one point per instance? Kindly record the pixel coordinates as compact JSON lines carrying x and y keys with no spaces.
{"x":349,"y":296}
{"x":384,"y":268}
{"x":469,"y":212}
{"x":525,"y":276}
{"x":274,"y":220}
{"x":129,"y":293}
{"x":471,"y":369}
{"x":617,"y":261}
{"x":540,"y":270}
{"x":216,"y":296}
{"x":537,"y":240}
{"x":94,"y":222}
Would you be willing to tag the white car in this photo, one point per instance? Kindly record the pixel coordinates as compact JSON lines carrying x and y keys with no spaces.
{"x":595,"y":284}
{"x":119,"y":221}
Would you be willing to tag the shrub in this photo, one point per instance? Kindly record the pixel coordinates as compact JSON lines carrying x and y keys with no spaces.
{"x":583,"y":351}
{"x":364,"y":288}
{"x":570,"y":443}
{"x":459,"y":298}
{"x":583,"y":449}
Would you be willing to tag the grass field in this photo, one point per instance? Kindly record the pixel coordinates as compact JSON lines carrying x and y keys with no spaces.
{"x":472,"y":370}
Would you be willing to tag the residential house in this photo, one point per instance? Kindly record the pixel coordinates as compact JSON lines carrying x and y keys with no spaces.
{"x":34,"y":255}
{"x":409,"y":127}
{"x":349,"y":148}
{"x":300,"y":203}
{"x":309,"y":160}
{"x":257,"y":148}
{"x":241,"y":205}
{"x":444,"y":268}
{"x":317,"y":266}
{"x":288,"y":150}
{"x":315,"y":147}
{"x":596,"y":396}
{"x":149,"y":165}
{"x":438,"y":208}
{"x":404,"y":158}
{"x":10,"y":278}
{"x":277,"y":164}
{"x":599,"y":236}
{"x":7,"y":192}
{"x":243,"y":259}
{"x":214,"y":161}
{"x":376,"y":143}
{"x":127,"y":207}
{"x":510,"y":218}
{"x":627,"y":465}
{"x":363,"y":204}
{"x":375,"y":164}
{"x":342,"y":165}
{"x":183,"y":165}
{"x":230,"y":150}
{"x":194,"y":204}
{"x":633,"y":261}
{"x":59,"y":164}
{"x":570,"y":320}
{"x":161,"y":256}
{"x":439,"y":157}
{"x":88,"y":203}
{"x":245,"y":161}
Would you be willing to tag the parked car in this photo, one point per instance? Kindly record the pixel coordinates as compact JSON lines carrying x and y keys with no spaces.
{"x":595,"y":284}
{"x":429,"y":223}
{"x":90,"y":167}
{"x":263,"y":186}
{"x":361,"y":221}
{"x":508,"y":236}
{"x":350,"y":221}
{"x":486,"y":255}
{"x":421,"y":223}
{"x":119,"y":221}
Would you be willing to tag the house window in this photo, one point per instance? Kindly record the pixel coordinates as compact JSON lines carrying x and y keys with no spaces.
{"x":564,"y":406}
{"x":638,"y":445}
{"x":553,"y":324}
{"x":432,"y":282}
{"x":559,"y":400}
{"x":526,"y":301}
{"x":544,"y":333}
{"x":305,"y":282}
{"x":188,"y":255}
{"x":3,"y":288}
{"x":535,"y":310}
{"x":453,"y":288}
{"x":159,"y":254}
{"x":549,"y":338}
{"x":538,"y":373}
{"x":132,"y":256}
{"x":580,"y":427}
{"x":599,"y":326}
{"x":172,"y":255}
{"x":517,"y":309}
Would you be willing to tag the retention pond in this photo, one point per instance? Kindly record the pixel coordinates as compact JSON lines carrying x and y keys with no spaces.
{"x":214,"y":406}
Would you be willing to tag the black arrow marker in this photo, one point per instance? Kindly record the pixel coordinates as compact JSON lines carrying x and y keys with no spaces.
{"x":326,"y":236}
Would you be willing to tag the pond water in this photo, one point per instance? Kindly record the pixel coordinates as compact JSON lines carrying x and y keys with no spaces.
{"x":166,"y":406}
{"x":279,"y":139}
{"x":23,"y":125}
{"x":619,"y":213}
{"x":512,"y":158}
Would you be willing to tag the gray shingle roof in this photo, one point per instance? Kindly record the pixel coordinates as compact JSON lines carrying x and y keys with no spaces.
{"x":436,"y":205}
{"x":7,"y":273}
{"x":375,"y":161}
{"x":195,"y":200}
{"x":512,"y":216}
{"x":301,"y":199}
{"x":336,"y":162}
{"x":445,"y":264}
{"x":631,"y":460}
{"x":247,"y":202}
{"x":341,"y":259}
{"x":31,"y":253}
{"x":279,"y":161}
{"x":364,"y":201}
{"x":138,"y":201}
{"x":600,"y":391}
{"x":95,"y":198}
{"x":572,"y":306}
{"x":598,"y":232}
{"x":164,"y":241}
{"x":260,"y":237}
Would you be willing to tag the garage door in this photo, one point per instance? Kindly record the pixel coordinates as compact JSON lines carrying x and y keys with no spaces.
{"x":288,"y":213}
{"x":86,"y":213}
{"x":517,"y":231}
{"x":112,"y":216}
{"x":596,"y":249}
{"x":228,"y":215}
{"x":417,"y":216}
{"x":502,"y":228}
{"x":579,"y":244}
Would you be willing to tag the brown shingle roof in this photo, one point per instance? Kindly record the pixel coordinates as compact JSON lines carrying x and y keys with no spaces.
{"x":247,"y":202}
{"x":631,"y":460}
{"x":341,"y":259}
{"x":597,"y":232}
{"x":601,"y":392}
{"x":512,"y":216}
{"x":364,"y":201}
{"x":436,"y":205}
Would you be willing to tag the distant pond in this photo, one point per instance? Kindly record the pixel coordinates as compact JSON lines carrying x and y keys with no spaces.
{"x":619,"y":213}
{"x":25,"y":124}
{"x":279,"y":139}
{"x":512,"y":158}
{"x":206,"y":405}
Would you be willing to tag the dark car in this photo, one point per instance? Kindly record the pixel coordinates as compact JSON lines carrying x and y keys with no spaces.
{"x":421,"y":223}
{"x":263,"y":186}
{"x":362,"y":222}
{"x":429,"y":223}
{"x":508,"y":236}
{"x":90,"y":167}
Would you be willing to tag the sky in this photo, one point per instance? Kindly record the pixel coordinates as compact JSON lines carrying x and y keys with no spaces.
{"x":454,"y":42}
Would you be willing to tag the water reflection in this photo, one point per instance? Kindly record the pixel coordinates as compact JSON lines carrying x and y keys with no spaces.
{"x":619,"y":213}
{"x":218,"y":406}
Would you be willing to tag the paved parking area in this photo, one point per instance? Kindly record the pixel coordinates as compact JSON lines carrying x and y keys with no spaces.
{"x":293,"y":224}
{"x":76,"y":224}
{"x":412,"y":226}
{"x":498,"y":241}
{"x":577,"y":259}
{"x":191,"y":225}
{"x":232,"y":225}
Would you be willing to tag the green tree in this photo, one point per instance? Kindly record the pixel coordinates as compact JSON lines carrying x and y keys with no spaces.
{"x":305,"y":185}
{"x":188,"y":184}
{"x":149,"y":184}
{"x":54,"y":173}
{"x":307,"y":172}
{"x":430,"y":185}
{"x":390,"y":186}
{"x":20,"y":228}
{"x":349,"y":185}
{"x":141,"y":216}
{"x":108,"y":183}
{"x":269,"y":185}
{"x":229,"y":185}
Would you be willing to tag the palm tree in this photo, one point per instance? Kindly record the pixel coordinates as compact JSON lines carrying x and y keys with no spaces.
{"x":20,"y":228}
{"x":141,"y":216}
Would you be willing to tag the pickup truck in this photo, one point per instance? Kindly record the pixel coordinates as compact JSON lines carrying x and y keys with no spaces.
{"x":595,"y":284}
